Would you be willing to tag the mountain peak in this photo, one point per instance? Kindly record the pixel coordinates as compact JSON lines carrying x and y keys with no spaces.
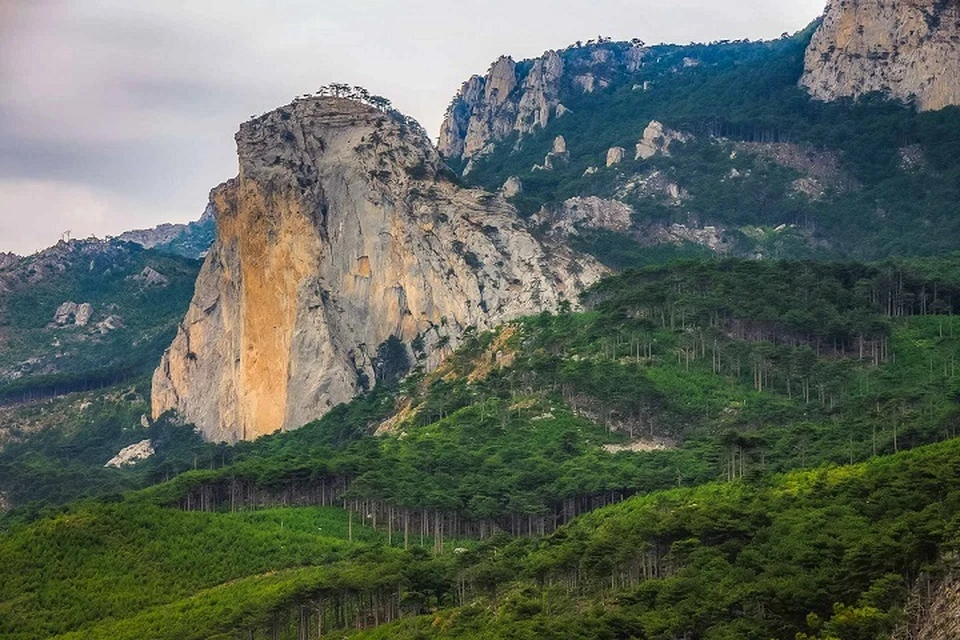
{"x":341,"y":244}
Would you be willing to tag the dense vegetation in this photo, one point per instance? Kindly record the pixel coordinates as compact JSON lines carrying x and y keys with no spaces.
{"x":829,"y":553}
{"x":54,"y":452}
{"x":40,"y":359}
{"x":720,"y":371}
{"x":892,"y":174}
{"x":711,"y":449}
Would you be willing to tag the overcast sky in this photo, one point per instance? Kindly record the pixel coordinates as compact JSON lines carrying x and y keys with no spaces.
{"x":120,"y":114}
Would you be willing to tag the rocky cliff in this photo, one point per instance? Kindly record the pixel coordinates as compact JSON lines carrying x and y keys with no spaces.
{"x":906,"y":49}
{"x":342,"y":237}
{"x":190,"y":240}
{"x":522,"y":97}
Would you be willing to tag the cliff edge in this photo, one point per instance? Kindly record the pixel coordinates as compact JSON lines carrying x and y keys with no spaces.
{"x":342,"y":237}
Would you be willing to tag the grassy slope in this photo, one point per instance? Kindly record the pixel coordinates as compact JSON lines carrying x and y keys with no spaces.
{"x":97,"y":562}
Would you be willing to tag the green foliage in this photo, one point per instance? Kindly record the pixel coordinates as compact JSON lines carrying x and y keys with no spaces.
{"x":708,"y":370}
{"x":85,"y":358}
{"x":748,"y":92}
{"x":732,"y":372}
{"x":54,"y":452}
{"x":825,"y":552}
{"x":136,"y":557}
{"x":619,"y":252}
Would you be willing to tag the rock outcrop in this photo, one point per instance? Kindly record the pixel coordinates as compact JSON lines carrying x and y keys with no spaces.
{"x":656,"y":140}
{"x":524,"y":97}
{"x":557,"y":156}
{"x":615,"y":156}
{"x":584,"y":214}
{"x":190,"y":240}
{"x":8,"y":260}
{"x":578,"y":214}
{"x":341,"y":238}
{"x":512,"y":187}
{"x":110,"y":323}
{"x":131,"y":455}
{"x":150,"y":277}
{"x":906,"y":49}
{"x":71,"y":313}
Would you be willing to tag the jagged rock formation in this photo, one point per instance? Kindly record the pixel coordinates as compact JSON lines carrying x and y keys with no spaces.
{"x":557,"y":155}
{"x":512,"y":187}
{"x":656,"y":140}
{"x":576,"y":214}
{"x":615,"y":155}
{"x":191,"y":240}
{"x":132,"y":454}
{"x":340,"y":236}
{"x":906,"y":49}
{"x":150,"y":238}
{"x":71,"y":313}
{"x":110,"y":323}
{"x":8,"y":260}
{"x":524,"y":97}
{"x":150,"y":277}
{"x":584,"y":214}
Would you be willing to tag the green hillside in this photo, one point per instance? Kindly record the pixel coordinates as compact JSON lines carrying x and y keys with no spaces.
{"x":133,"y":319}
{"x":529,"y":488}
{"x":887,"y":177}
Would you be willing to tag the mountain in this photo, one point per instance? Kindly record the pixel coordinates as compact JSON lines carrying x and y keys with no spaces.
{"x":345,"y":254}
{"x":86,"y":314}
{"x":743,"y":425}
{"x":82,"y":325}
{"x":905,"y":50}
{"x":719,"y":149}
{"x":514,"y":98}
{"x":190,"y":240}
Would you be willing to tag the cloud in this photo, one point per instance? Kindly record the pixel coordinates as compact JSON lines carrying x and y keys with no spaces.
{"x":34,"y":213}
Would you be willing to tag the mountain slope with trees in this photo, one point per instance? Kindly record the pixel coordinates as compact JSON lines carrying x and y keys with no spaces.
{"x":535,"y":475}
{"x":779,"y":173}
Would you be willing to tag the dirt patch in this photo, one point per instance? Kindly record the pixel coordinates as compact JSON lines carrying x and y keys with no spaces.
{"x":821,"y":167}
{"x":497,"y":356}
{"x":643,"y":445}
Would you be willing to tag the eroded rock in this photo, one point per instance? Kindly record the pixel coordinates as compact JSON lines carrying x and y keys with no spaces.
{"x":340,"y":234}
{"x":906,"y":49}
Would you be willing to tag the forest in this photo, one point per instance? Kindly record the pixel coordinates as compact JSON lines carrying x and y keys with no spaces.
{"x":893,"y":175}
{"x":716,"y":449}
{"x":753,"y":443}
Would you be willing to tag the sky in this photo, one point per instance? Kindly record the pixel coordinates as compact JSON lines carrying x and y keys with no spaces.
{"x":120,"y":114}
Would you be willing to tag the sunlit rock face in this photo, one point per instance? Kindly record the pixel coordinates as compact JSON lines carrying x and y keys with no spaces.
{"x":906,"y":49}
{"x":341,"y":232}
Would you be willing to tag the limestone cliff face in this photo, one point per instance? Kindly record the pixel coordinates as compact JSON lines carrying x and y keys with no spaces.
{"x":907,"y":49}
{"x":526,"y":96}
{"x":340,"y":232}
